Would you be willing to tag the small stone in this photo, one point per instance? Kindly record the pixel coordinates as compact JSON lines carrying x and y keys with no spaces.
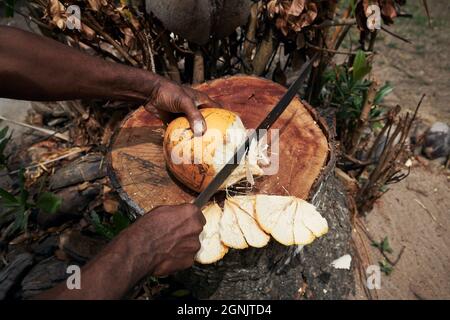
{"x":437,"y":141}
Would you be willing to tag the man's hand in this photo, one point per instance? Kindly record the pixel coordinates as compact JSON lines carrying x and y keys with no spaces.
{"x":168,"y":97}
{"x":163,"y":241}
{"x":168,"y":237}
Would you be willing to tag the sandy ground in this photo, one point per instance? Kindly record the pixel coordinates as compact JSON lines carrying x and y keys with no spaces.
{"x":405,"y":214}
{"x":420,"y":67}
{"x":414,"y":214}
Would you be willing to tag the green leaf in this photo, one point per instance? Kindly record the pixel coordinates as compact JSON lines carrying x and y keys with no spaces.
{"x":385,"y":267}
{"x":48,"y":202}
{"x":21,"y":221}
{"x":361,"y":68}
{"x":181,"y":293}
{"x":385,"y":247}
{"x":101,"y":229}
{"x":7,"y":197}
{"x":382,"y":93}
{"x":120,"y":222}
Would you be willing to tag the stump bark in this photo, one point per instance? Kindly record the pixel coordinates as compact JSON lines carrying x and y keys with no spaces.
{"x":306,"y":170}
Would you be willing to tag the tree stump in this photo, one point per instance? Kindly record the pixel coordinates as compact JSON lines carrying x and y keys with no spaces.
{"x":306,"y":169}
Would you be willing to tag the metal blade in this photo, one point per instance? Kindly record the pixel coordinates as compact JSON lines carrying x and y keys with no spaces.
{"x":233,"y":163}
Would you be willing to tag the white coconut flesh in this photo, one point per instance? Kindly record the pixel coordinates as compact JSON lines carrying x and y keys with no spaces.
{"x":243,"y":209}
{"x":249,"y":220}
{"x":212,"y":249}
{"x":230,"y":232}
{"x":248,"y":166}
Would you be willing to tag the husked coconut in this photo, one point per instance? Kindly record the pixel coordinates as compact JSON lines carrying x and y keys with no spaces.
{"x":230,"y":233}
{"x":243,"y":209}
{"x":212,"y":249}
{"x":312,"y":219}
{"x":195,"y":160}
{"x":269,"y":209}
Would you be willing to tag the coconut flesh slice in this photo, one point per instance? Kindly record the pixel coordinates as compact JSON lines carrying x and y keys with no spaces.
{"x":268,"y":210}
{"x":230,"y":233}
{"x":244,"y":208}
{"x":212,"y":249}
{"x":283,"y":231}
{"x":312,"y":219}
{"x":302,"y":235}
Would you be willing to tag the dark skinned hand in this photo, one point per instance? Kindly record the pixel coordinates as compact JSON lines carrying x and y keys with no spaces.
{"x":169,"y":238}
{"x":162,"y":242}
{"x":170,"y":98}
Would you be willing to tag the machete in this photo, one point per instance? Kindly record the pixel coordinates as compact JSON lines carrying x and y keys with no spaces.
{"x":276,"y":112}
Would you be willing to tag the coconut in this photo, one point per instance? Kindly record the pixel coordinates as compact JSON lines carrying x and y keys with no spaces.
{"x":247,"y":221}
{"x":195,"y":160}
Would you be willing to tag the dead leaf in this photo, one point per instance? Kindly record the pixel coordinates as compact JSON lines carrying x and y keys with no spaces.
{"x":96,"y":4}
{"x":55,"y":12}
{"x":388,"y":11}
{"x":88,"y":32}
{"x":296,"y":7}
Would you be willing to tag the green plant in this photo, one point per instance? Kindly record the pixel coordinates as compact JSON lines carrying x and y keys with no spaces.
{"x":345,"y":88}
{"x":5,"y":137}
{"x":18,"y":207}
{"x":386,"y":267}
{"x":112,"y":227}
{"x":383,"y":246}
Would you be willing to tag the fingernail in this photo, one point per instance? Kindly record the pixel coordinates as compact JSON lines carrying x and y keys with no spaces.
{"x":198,"y":127}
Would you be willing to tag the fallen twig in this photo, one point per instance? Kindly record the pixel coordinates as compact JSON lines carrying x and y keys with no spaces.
{"x":429,"y":212}
{"x":43,"y":130}
{"x":395,"y":35}
{"x":349,"y":53}
{"x":67,"y":155}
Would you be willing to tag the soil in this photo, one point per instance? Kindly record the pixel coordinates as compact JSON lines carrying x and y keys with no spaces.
{"x":415,"y":213}
{"x":422,"y":66}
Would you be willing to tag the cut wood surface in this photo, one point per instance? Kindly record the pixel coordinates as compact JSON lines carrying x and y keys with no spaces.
{"x":138,"y":170}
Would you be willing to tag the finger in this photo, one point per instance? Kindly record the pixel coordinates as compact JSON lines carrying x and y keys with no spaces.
{"x":197,"y":213}
{"x":191,"y":247}
{"x":205,"y":101}
{"x":195,"y":118}
{"x":201,"y":99}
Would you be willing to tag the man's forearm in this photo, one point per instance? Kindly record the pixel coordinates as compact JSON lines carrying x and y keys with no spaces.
{"x":37,"y":68}
{"x":109,"y":275}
